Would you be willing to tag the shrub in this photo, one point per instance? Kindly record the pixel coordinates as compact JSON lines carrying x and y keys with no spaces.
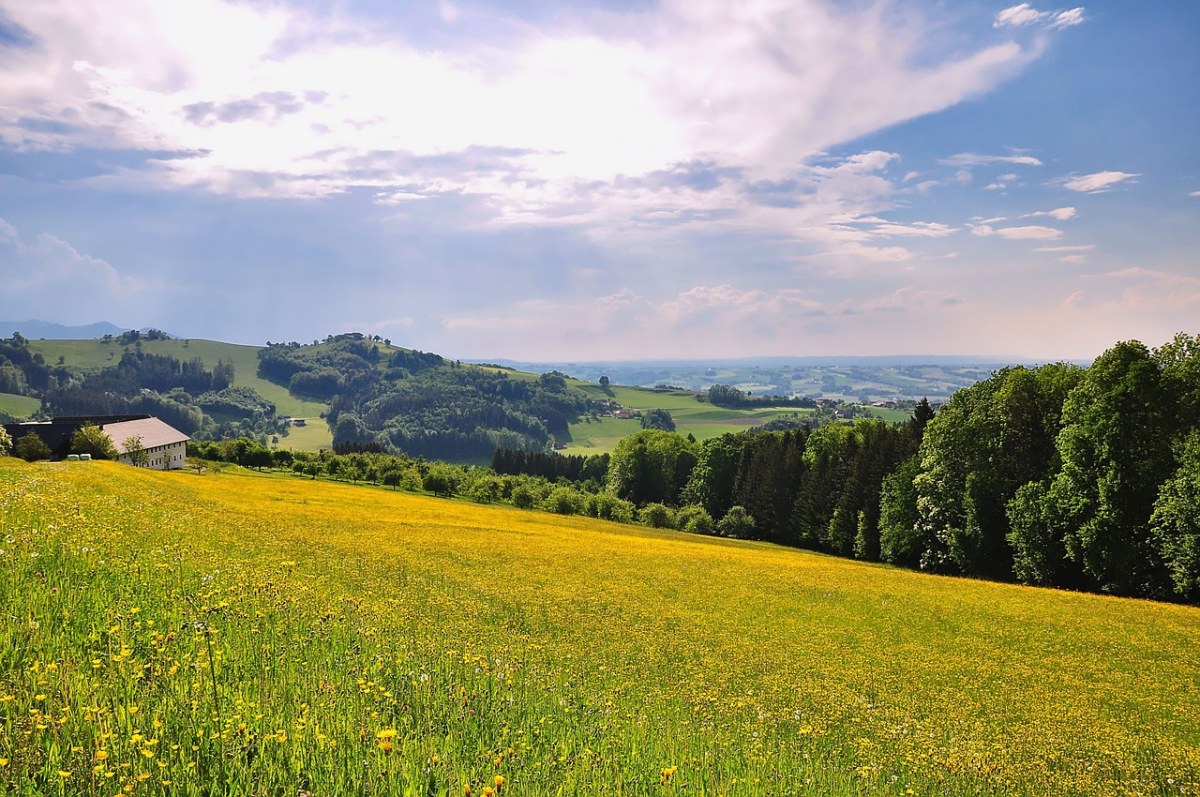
{"x":523,"y":497}
{"x":31,"y":447}
{"x":608,"y":507}
{"x":657,"y":516}
{"x":563,"y":501}
{"x":737,"y":523}
{"x":694,"y":519}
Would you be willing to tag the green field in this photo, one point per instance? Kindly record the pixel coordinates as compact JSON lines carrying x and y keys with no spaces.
{"x":98,"y":354}
{"x":18,"y":406}
{"x":699,"y":419}
{"x":235,"y":633}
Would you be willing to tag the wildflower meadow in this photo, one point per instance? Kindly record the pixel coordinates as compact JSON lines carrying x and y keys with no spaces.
{"x":254,"y":634}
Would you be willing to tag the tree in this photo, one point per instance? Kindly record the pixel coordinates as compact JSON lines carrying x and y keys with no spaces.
{"x":31,"y":448}
{"x":133,"y":448}
{"x":902,"y":539}
{"x":608,"y":507}
{"x":984,"y":444}
{"x":1115,"y":449}
{"x":91,"y":440}
{"x":442,"y":480}
{"x":651,"y":466}
{"x":1175,"y":524}
{"x":563,"y":501}
{"x":658,"y":419}
{"x":5,"y":442}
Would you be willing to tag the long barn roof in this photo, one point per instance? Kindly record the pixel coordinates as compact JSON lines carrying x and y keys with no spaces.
{"x":152,"y":431}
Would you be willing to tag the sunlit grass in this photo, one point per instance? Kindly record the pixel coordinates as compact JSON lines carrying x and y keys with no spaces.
{"x":19,"y":406}
{"x":171,"y":633}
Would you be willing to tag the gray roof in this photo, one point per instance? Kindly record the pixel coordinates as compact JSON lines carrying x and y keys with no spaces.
{"x":152,"y":431}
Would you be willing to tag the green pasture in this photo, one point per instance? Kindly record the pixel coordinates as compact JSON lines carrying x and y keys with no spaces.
{"x":18,"y":406}
{"x":313,"y":436}
{"x":98,"y":354}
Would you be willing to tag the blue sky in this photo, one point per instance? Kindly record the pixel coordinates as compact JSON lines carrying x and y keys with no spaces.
{"x":691,"y":178}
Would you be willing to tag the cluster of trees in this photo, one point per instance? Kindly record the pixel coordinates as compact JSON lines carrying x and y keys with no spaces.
{"x":132,"y":336}
{"x":137,"y":370}
{"x":730,"y":397}
{"x":235,"y":402}
{"x":420,"y":404}
{"x":1063,"y":476}
{"x":550,"y":465}
{"x":25,"y":372}
{"x":184,"y":393}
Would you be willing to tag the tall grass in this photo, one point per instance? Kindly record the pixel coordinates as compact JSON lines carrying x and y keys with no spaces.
{"x":170,"y":633}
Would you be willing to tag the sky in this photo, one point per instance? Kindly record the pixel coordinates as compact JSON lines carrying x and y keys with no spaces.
{"x":614,"y":180}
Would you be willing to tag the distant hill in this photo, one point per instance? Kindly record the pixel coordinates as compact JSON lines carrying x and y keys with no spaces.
{"x":35,"y":330}
{"x":849,"y":379}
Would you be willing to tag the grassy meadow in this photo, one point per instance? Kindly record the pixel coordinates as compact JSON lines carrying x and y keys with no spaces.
{"x":19,"y":406}
{"x":247,"y":634}
{"x":700,"y":419}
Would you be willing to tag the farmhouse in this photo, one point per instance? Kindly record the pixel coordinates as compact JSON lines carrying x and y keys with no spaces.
{"x":165,"y":446}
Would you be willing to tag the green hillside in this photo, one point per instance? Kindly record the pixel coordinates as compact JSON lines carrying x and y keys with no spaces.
{"x":691,"y":416}
{"x":18,"y":406}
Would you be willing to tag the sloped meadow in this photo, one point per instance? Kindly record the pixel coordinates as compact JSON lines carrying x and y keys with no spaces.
{"x":232,"y":633}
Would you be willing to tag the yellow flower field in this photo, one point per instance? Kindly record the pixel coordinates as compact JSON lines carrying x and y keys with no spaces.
{"x":233,"y":633}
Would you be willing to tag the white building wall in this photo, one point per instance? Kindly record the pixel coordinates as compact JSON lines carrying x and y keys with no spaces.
{"x":170,"y":457}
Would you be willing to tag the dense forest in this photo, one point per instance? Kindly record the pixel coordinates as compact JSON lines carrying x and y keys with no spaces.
{"x":404,"y":401}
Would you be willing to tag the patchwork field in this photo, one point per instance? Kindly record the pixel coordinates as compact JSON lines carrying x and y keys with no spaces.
{"x":700,"y":419}
{"x":235,"y":633}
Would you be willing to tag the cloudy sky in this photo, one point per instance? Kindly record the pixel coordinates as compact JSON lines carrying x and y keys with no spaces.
{"x":640,"y":179}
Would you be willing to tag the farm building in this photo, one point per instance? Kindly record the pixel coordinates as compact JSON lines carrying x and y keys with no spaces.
{"x":165,"y":446}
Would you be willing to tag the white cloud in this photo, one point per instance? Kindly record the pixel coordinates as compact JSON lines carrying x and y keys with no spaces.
{"x":49,"y":278}
{"x":1024,"y":14}
{"x":544,"y":123}
{"x":1194,"y":193}
{"x":1080,"y":248}
{"x":1097,"y":182}
{"x":916,"y":229}
{"x":1073,"y":259}
{"x":1061,"y":214}
{"x":975,"y":159}
{"x":1030,"y":233}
